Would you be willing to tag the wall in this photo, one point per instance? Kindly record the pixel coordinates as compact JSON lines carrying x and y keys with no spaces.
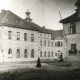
{"x":19,"y":44}
{"x":72,"y":39}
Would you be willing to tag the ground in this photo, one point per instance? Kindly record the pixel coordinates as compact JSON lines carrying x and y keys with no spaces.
{"x":23,"y":71}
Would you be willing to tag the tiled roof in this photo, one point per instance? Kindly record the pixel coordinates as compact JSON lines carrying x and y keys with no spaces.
{"x":8,"y":18}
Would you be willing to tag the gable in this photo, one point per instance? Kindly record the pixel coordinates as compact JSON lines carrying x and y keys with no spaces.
{"x":59,"y":38}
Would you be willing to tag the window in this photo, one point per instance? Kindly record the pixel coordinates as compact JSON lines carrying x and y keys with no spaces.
{"x":45,"y":43}
{"x":52,"y":54}
{"x":25,"y":36}
{"x":41,"y":43}
{"x":10,"y":53}
{"x":9,"y":34}
{"x":48,"y":43}
{"x":41,"y":54}
{"x":73,"y":46}
{"x":55,"y":54}
{"x":73,"y":49}
{"x":18,"y":53}
{"x":61,"y":44}
{"x":51,"y":44}
{"x":49,"y":54}
{"x":40,"y":34}
{"x":44,"y":34}
{"x":25,"y":53}
{"x":32,"y":37}
{"x":18,"y":35}
{"x":32,"y":53}
{"x":44,"y":53}
{"x":55,"y":44}
{"x":58,"y":43}
{"x":72,"y":28}
{"x":48,"y":35}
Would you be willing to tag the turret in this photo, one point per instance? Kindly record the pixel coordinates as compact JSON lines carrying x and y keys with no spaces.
{"x":28,"y":19}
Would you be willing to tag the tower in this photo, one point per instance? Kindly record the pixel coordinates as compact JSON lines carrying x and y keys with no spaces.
{"x":28,"y":19}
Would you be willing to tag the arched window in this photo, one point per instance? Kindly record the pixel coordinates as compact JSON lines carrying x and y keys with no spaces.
{"x":18,"y":53}
{"x":41,"y":54}
{"x":32,"y":53}
{"x":44,"y":53}
{"x":49,"y":54}
{"x":25,"y":53}
{"x":9,"y":53}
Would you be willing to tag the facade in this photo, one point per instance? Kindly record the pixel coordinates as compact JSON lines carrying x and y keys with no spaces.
{"x":23,"y":40}
{"x":71,"y":30}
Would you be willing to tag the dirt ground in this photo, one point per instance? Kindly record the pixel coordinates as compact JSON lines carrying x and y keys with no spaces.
{"x":29,"y":71}
{"x":15,"y":66}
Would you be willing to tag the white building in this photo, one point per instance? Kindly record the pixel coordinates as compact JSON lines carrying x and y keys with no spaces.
{"x":23,"y":40}
{"x":71,"y":30}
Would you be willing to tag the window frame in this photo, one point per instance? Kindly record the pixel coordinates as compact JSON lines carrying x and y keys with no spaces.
{"x":18,"y":35}
{"x":32,"y":53}
{"x":9,"y":53}
{"x":73,"y":28}
{"x":18,"y":53}
{"x":9,"y":35}
{"x":25,"y":36}
{"x":25,"y":53}
{"x":32,"y":37}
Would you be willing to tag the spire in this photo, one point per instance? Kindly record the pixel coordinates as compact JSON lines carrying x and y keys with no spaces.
{"x":28,"y":19}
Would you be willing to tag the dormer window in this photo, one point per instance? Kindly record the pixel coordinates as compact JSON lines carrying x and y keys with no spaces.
{"x":72,"y":28}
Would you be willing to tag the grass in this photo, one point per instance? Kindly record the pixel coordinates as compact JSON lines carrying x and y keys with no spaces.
{"x":41,"y":74}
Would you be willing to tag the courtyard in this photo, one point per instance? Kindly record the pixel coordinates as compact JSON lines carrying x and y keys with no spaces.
{"x":28,"y":71}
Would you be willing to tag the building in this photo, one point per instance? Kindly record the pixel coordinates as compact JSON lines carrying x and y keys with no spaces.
{"x":71,"y":30}
{"x":23,"y":40}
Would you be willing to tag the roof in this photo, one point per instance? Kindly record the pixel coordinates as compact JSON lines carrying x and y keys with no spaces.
{"x":77,"y":3}
{"x":9,"y":19}
{"x":74,"y":17}
{"x":54,"y":33}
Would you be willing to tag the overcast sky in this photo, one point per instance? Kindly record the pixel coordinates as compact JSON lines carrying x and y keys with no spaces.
{"x":43,"y":12}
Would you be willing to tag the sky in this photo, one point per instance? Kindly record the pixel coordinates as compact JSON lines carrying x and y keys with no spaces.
{"x":43,"y":12}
